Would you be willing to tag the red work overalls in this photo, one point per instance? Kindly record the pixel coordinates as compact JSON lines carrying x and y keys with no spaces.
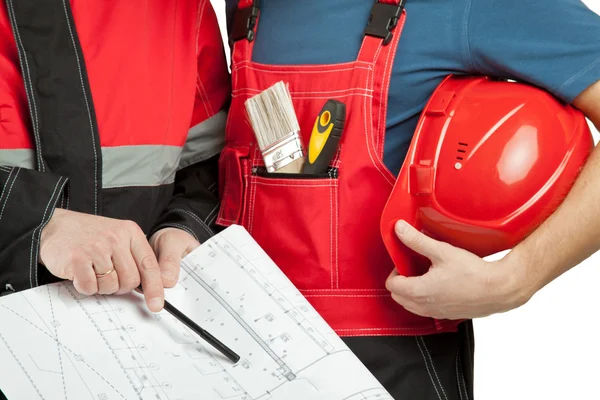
{"x":323,"y":231}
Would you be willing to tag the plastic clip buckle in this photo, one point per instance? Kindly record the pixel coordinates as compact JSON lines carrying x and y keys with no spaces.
{"x":384,"y":17}
{"x":244,"y":23}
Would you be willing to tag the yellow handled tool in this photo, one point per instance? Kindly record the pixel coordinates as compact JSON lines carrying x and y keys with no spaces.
{"x":325,"y":137}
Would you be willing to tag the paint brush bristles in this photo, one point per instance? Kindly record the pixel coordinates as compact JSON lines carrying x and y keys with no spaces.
{"x":273,"y":119}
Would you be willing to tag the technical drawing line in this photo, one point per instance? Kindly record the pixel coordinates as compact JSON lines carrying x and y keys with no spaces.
{"x":287,"y":370}
{"x":22,"y":367}
{"x":42,"y":369}
{"x":253,"y":277}
{"x":63,"y":346}
{"x":49,"y":334}
{"x":36,"y":312}
{"x":103,"y":338}
{"x":362,"y":394}
{"x":319,"y":359}
{"x":54,"y":322}
{"x":80,"y":377}
{"x":138,"y":354}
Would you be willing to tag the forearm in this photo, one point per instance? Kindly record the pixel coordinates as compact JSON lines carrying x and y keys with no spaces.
{"x":569,"y":236}
{"x":572,"y":233}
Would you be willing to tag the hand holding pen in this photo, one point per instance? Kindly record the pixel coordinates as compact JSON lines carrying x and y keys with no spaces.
{"x":213,"y":341}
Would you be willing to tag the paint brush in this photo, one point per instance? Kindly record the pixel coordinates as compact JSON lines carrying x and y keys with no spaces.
{"x":273,"y":119}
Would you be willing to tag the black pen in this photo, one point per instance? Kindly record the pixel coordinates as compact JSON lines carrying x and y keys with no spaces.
{"x":213,"y":341}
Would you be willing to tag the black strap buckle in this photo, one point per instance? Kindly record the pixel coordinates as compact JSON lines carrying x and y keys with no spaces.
{"x":244,"y":22}
{"x":384,"y":17}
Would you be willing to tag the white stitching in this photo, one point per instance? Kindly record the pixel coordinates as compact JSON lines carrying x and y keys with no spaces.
{"x":88,"y":110}
{"x":293,"y":68}
{"x":427,"y":366}
{"x":252,"y":90}
{"x":389,"y":62}
{"x":194,"y":216}
{"x":227,"y":184}
{"x":368,"y":143}
{"x":9,"y":190}
{"x":253,"y":186}
{"x":433,"y":366}
{"x":30,"y":97}
{"x":320,"y":71}
{"x":331,"y":235}
{"x":206,"y":228}
{"x":460,"y":392}
{"x":458,"y":379}
{"x":212,"y":221}
{"x":381,"y":329}
{"x":34,"y":234}
{"x":179,"y":226}
{"x":336,"y":241}
{"x":209,"y":216}
{"x":462,"y":382}
{"x":293,"y":185}
{"x":201,"y":94}
{"x":319,"y":97}
{"x":200,"y":14}
{"x":205,"y":100}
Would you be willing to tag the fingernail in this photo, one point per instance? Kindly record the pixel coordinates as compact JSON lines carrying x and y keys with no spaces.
{"x":401,"y":227}
{"x":156,"y":304}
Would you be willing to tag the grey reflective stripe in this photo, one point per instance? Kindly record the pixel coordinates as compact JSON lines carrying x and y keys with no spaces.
{"x":139,"y":165}
{"x":148,"y":165}
{"x":18,"y":158}
{"x":204,"y":140}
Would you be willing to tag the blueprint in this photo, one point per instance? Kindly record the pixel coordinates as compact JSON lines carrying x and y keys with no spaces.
{"x":58,"y":344}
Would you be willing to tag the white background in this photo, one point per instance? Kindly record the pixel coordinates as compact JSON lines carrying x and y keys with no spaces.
{"x":548,"y":349}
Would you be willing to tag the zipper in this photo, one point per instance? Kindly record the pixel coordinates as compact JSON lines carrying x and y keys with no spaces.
{"x":332,"y":173}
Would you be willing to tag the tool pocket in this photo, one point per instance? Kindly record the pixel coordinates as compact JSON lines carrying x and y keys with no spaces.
{"x":232,"y":167}
{"x":294,"y":218}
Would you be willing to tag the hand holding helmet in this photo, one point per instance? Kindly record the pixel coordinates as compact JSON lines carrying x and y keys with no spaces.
{"x":490,"y":161}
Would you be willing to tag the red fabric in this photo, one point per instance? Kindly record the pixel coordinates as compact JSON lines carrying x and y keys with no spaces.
{"x":323,"y":233}
{"x":151,"y":72}
{"x":245,"y":3}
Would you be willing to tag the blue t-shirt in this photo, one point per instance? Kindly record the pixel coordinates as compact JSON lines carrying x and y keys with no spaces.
{"x":554,"y":44}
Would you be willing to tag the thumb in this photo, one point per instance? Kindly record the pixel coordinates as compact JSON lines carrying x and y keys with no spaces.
{"x":169,"y":260}
{"x":404,"y":289}
{"x":418,"y":241}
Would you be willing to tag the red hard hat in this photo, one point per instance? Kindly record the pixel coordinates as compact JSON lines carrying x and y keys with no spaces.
{"x":490,"y":160}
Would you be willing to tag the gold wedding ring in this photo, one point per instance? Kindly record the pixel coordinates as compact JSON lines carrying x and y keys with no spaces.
{"x":104,"y":274}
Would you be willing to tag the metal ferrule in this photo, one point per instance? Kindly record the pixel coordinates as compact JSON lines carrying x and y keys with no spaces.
{"x":283,"y":152}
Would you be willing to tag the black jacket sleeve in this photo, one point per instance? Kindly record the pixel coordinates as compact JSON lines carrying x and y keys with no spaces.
{"x":195,"y":202}
{"x":27,"y":201}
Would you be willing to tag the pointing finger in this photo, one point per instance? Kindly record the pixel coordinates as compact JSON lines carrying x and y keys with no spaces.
{"x":149,"y":272}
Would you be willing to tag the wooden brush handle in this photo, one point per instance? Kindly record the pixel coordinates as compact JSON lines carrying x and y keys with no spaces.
{"x":295,"y":167}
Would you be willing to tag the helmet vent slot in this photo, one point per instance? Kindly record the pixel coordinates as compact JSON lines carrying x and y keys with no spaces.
{"x":461,"y":150}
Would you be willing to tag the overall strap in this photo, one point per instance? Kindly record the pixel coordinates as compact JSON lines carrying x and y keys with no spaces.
{"x":243,"y":30}
{"x":384,"y":27}
{"x":380,"y":42}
